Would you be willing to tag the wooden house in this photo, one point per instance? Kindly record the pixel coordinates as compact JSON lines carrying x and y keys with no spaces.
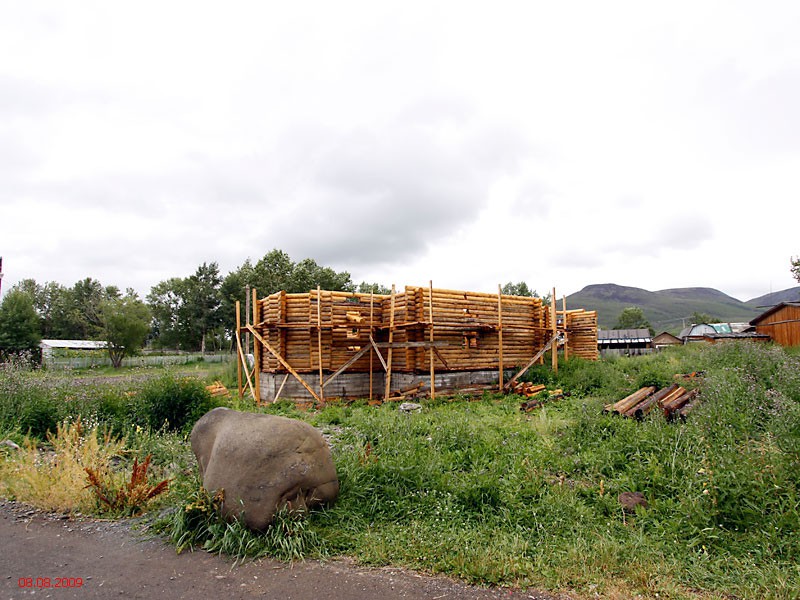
{"x":666,"y":339}
{"x":349,"y":345}
{"x":781,"y":323}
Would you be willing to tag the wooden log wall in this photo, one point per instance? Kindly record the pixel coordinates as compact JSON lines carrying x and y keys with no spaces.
{"x":582,"y":334}
{"x":465,"y":329}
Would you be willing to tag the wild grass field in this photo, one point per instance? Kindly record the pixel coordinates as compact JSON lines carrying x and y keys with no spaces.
{"x":475,"y":488}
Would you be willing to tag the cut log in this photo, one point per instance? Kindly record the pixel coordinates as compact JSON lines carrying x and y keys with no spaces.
{"x":632,"y":400}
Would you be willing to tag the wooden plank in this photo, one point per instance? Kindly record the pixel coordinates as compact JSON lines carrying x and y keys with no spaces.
{"x":280,"y":389}
{"x":238,"y":346}
{"x":256,"y":351}
{"x":319,"y":343}
{"x":430,"y":339}
{"x":371,"y":321}
{"x":536,"y":357}
{"x":391,"y":336}
{"x":554,"y":347}
{"x":500,"y":337}
{"x":378,"y":352}
{"x":344,"y":367}
{"x":286,"y":365}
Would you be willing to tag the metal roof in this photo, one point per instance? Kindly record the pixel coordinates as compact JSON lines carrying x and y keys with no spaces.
{"x":623,"y":336}
{"x":74,"y":344}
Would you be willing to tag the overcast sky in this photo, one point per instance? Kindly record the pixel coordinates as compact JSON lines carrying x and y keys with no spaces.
{"x":654,"y":145}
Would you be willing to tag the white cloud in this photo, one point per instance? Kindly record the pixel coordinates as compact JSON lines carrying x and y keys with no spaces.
{"x":654,"y":146}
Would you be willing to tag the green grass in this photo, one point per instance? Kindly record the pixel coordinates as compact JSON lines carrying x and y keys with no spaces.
{"x":483,"y":492}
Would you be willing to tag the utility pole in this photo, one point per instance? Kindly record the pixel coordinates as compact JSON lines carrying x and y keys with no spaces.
{"x":1,"y":274}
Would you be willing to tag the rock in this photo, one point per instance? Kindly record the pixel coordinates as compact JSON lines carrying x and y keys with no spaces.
{"x":263,"y":463}
{"x":630,"y":500}
{"x":409,"y":407}
{"x":9,"y":444}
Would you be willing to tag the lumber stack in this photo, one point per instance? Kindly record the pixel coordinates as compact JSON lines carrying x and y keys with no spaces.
{"x":582,"y":333}
{"x":218,"y":390}
{"x":674,"y":401}
{"x":325,"y":329}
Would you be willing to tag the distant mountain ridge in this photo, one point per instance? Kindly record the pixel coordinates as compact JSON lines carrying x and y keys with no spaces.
{"x":670,"y":309}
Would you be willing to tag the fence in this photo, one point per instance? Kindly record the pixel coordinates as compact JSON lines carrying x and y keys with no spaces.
{"x":144,"y":360}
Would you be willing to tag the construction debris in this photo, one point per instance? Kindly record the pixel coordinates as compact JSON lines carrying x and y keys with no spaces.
{"x":538,"y":400}
{"x":218,"y":390}
{"x":527,"y":389}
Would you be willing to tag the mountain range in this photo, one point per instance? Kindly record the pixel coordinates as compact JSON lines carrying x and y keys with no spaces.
{"x":670,"y":310}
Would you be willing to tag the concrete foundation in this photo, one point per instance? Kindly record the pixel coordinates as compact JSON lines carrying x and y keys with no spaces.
{"x":356,"y":385}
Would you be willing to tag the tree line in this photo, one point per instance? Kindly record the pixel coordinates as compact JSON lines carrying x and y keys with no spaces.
{"x":183,"y":313}
{"x":193,"y":313}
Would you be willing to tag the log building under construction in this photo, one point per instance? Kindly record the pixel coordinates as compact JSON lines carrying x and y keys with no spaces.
{"x":325,"y":344}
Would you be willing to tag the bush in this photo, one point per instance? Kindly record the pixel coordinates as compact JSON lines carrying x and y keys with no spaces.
{"x":173,"y":404}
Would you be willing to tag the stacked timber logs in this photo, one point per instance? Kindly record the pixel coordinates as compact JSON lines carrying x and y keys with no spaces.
{"x":423,"y":328}
{"x":527,"y":388}
{"x":674,"y":401}
{"x":582,"y":334}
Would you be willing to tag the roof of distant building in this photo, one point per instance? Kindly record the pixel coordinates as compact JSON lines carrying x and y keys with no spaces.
{"x":74,"y":344}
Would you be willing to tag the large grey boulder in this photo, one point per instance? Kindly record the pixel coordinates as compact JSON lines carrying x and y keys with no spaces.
{"x":263,"y":463}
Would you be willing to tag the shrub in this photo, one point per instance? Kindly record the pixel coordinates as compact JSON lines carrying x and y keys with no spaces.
{"x":56,"y":480}
{"x":174,"y":404}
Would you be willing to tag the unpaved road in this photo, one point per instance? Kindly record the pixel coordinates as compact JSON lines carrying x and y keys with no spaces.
{"x":39,"y":551}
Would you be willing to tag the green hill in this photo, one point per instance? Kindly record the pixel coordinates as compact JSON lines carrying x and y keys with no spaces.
{"x":790,"y":295}
{"x":667,"y":310}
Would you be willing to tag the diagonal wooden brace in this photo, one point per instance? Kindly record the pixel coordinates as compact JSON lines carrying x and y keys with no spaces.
{"x":281,"y":360}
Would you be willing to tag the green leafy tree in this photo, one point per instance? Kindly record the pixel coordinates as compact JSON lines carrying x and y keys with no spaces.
{"x":165,"y":300}
{"x":518,"y":289}
{"x":796,"y":268}
{"x":19,"y":323}
{"x":700,"y":317}
{"x":633,"y":317}
{"x":126,"y":323}
{"x":274,"y":272}
{"x":373,"y":288}
{"x":201,"y":312}
{"x":187,"y":312}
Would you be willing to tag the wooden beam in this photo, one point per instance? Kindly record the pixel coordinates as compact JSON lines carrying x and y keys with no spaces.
{"x":554,"y":346}
{"x":244,"y":364}
{"x":500,"y":336}
{"x":346,"y":365}
{"x":282,"y":360}
{"x":566,"y":333}
{"x":238,"y":346}
{"x":280,"y":389}
{"x":371,"y":328}
{"x":536,"y":357}
{"x":391,"y":336}
{"x":430,"y":339}
{"x":378,"y":352}
{"x":256,"y":351}
{"x":319,"y":342}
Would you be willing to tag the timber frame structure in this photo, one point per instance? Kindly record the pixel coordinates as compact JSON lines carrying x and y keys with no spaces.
{"x":326,"y":344}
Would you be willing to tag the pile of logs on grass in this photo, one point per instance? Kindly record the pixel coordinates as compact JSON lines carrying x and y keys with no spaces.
{"x":537,"y":395}
{"x":218,"y":390}
{"x":675,"y":401}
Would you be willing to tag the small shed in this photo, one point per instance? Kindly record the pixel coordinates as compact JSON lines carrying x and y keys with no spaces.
{"x":665,"y":339}
{"x":781,"y":323}
{"x":624,"y":342}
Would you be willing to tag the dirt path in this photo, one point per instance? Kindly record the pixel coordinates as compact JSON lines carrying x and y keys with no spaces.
{"x":114,"y":561}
